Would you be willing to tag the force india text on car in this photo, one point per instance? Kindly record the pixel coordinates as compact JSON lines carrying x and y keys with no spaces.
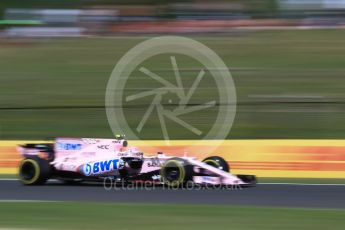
{"x":89,"y":159}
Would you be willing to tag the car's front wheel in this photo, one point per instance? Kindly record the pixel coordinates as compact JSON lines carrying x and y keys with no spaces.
{"x":217,"y":162}
{"x":175,"y":172}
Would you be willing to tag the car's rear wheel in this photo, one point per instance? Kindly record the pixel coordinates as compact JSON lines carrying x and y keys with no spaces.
{"x":34,"y":171}
{"x":175,"y":172}
{"x":217,"y":162}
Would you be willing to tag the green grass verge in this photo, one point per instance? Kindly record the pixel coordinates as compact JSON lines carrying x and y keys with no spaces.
{"x":289,"y":85}
{"x":66,"y":215}
{"x":8,"y":176}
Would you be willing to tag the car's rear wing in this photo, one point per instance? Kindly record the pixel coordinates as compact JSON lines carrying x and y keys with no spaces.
{"x":36,"y":149}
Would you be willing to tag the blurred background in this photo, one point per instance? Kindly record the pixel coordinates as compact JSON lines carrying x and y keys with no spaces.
{"x":286,"y":58}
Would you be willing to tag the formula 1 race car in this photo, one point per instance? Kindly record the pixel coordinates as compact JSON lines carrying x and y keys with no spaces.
{"x":87,"y":159}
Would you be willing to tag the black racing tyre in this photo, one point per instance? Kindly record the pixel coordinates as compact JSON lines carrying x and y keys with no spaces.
{"x":175,"y":172}
{"x":34,"y":171}
{"x":217,"y":162}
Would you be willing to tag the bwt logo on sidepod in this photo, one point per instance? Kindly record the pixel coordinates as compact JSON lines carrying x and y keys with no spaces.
{"x":100,"y":167}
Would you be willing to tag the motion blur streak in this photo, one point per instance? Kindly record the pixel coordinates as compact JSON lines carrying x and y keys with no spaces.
{"x":264,"y":158}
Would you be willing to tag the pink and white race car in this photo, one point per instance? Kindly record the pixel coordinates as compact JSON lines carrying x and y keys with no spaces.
{"x":87,"y":159}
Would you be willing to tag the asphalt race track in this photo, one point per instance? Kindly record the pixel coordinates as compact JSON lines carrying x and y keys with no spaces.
{"x":287,"y":195}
